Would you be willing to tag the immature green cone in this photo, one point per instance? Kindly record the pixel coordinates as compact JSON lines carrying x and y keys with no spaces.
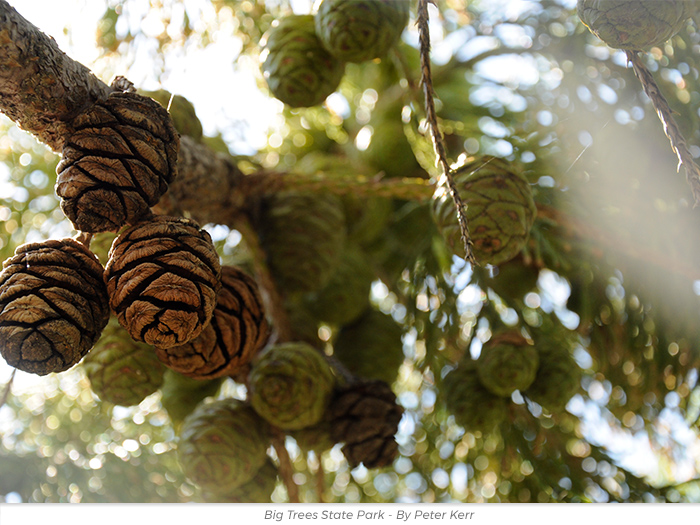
{"x":303,"y":236}
{"x":222,"y":445}
{"x":500,"y":209}
{"x":346,"y":295}
{"x":635,"y":24}
{"x":359,"y":30}
{"x":257,"y":490}
{"x":298,"y":70}
{"x":317,"y":438}
{"x":513,"y":279}
{"x":122,"y":371}
{"x":558,"y":376}
{"x":507,"y":363}
{"x":389,"y":151}
{"x":180,"y":395}
{"x":471,"y":404}
{"x":181,"y":111}
{"x":304,"y":326}
{"x":290,"y":385}
{"x":365,"y":217}
{"x":371,"y":347}
{"x":408,"y":236}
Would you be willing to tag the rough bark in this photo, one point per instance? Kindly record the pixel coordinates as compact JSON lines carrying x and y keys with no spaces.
{"x":41,"y":88}
{"x":205,"y":188}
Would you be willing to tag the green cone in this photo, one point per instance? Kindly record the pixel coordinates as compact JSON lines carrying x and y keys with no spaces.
{"x":634,"y":24}
{"x":471,"y":404}
{"x":558,"y":376}
{"x":180,"y":395}
{"x":303,"y":325}
{"x":346,"y":295}
{"x":507,"y":363}
{"x":514,"y":279}
{"x":290,"y":385}
{"x":371,"y":347}
{"x":257,"y":490}
{"x":298,"y":70}
{"x":222,"y":445}
{"x":303,"y":236}
{"x":366,"y":217}
{"x":359,"y":30}
{"x":389,"y":151}
{"x":500,"y":209}
{"x":181,"y":111}
{"x":317,"y":438}
{"x":120,"y":370}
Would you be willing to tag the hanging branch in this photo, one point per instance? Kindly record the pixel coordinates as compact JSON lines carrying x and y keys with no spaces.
{"x":431,"y":116}
{"x":264,"y":183}
{"x":671,"y":129}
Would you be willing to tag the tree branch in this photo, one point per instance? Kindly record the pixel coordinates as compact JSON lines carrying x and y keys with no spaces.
{"x":408,"y":188}
{"x":41,"y":88}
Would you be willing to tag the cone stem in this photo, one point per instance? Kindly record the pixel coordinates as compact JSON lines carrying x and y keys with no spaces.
{"x":285,"y":469}
{"x":271,"y":295}
{"x":671,"y":129}
{"x":431,"y":116}
{"x":320,"y":480}
{"x":8,"y":389}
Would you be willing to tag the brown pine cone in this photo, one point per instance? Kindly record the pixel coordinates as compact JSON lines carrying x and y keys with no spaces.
{"x":117,"y":163}
{"x":163,"y":277}
{"x":365,"y":416}
{"x":53,"y":306}
{"x":229,"y":342}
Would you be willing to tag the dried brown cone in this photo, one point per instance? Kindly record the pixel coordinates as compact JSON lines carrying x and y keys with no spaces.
{"x":365,"y":417}
{"x":237,"y":331}
{"x":53,"y":306}
{"x":163,"y":277}
{"x":117,"y":163}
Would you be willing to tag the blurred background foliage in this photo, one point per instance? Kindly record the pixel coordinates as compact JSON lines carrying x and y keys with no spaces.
{"x":612,"y":265}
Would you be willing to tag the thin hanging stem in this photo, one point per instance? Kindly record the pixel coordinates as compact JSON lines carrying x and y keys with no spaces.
{"x":671,"y":129}
{"x":431,"y":116}
{"x":286,"y":470}
{"x":320,"y":476}
{"x":274,"y":302}
{"x":8,"y":389}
